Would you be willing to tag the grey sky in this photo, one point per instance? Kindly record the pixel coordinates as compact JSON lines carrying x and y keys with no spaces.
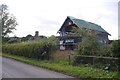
{"x":47,"y":16}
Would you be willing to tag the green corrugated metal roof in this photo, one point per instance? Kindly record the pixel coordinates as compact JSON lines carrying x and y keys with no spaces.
{"x":88,"y":25}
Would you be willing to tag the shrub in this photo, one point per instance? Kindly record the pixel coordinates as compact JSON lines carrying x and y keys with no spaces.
{"x":39,"y":50}
{"x":89,"y":46}
{"x":116,"y":48}
{"x":106,"y":51}
{"x":5,"y":39}
{"x":107,"y":63}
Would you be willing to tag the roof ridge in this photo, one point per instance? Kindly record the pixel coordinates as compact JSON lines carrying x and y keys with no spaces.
{"x":71,"y":17}
{"x":87,"y":24}
{"x":83,"y":20}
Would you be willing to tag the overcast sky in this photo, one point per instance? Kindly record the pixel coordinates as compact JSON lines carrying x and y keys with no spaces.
{"x":47,"y":16}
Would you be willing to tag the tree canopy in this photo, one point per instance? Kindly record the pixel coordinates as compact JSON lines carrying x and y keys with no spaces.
{"x":8,"y":21}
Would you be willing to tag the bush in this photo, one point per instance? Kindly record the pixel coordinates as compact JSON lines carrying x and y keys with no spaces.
{"x":39,"y":50}
{"x":89,"y":46}
{"x":107,"y":63}
{"x":116,"y":48}
{"x":106,"y":51}
{"x":5,"y":39}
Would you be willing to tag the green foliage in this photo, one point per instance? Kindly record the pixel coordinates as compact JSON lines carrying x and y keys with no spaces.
{"x":106,"y":51}
{"x":111,"y":50}
{"x":10,"y":40}
{"x":105,"y":63}
{"x":78,"y":32}
{"x":54,"y":40}
{"x":8,"y":21}
{"x":116,"y":48}
{"x":89,"y":46}
{"x":5,"y":39}
{"x":76,"y":71}
{"x":93,"y":48}
{"x":27,"y":38}
{"x":39,"y":50}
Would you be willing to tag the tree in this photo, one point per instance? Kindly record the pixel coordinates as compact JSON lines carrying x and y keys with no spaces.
{"x":89,"y":45}
{"x":53,"y":39}
{"x":8,"y":21}
{"x":55,"y":42}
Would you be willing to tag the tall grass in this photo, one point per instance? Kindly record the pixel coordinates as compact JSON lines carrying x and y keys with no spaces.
{"x":39,"y":50}
{"x":77,"y":71}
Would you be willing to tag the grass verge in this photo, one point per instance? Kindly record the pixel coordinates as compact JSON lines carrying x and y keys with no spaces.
{"x":76,"y":71}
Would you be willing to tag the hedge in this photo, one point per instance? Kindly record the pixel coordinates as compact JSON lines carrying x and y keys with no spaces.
{"x":107,"y":63}
{"x":38,"y":50}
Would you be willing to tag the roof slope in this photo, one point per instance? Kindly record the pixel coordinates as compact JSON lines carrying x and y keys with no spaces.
{"x":88,"y":25}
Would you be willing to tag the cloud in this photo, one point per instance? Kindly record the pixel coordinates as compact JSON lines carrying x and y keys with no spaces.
{"x":46,"y":21}
{"x":47,"y":16}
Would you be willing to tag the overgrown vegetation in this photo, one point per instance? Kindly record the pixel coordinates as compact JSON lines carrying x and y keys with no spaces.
{"x":39,"y":50}
{"x":89,"y":46}
{"x":5,"y":39}
{"x":104,"y":63}
{"x":91,"y":51}
{"x":76,"y":71}
{"x":53,"y":39}
{"x":105,"y":57}
{"x":42,"y":53}
{"x":116,"y":48}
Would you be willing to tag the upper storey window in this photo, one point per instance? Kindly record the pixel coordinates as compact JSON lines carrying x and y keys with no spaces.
{"x":69,"y":23}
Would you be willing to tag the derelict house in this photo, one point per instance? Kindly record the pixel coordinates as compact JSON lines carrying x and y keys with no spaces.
{"x":71,"y":22}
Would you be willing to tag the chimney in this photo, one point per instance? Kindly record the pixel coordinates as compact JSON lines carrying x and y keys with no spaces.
{"x":36,"y":33}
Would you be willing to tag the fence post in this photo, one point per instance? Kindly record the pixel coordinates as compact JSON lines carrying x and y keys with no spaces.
{"x":69,"y":56}
{"x":69,"y":59}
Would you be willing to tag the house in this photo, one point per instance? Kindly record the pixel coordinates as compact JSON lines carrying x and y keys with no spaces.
{"x":71,"y":22}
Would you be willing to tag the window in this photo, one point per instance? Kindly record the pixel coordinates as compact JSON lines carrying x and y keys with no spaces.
{"x":69,"y":40}
{"x":69,"y":23}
